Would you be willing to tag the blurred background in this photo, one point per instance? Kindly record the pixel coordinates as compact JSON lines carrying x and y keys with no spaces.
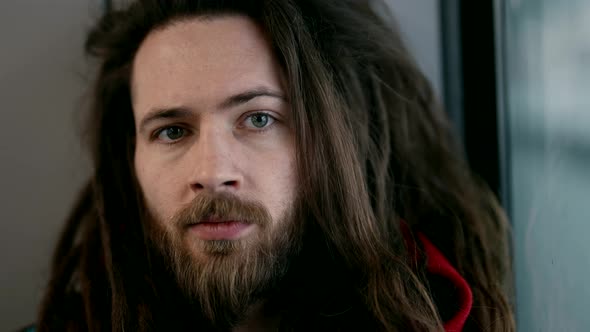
{"x":513,"y":74}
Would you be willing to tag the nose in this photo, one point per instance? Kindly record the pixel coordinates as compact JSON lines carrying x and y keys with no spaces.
{"x":215,"y":166}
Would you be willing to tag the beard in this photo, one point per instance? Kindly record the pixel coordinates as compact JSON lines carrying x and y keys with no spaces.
{"x":225,"y":278}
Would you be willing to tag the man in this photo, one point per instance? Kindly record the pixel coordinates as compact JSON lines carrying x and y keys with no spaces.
{"x":272,"y":165}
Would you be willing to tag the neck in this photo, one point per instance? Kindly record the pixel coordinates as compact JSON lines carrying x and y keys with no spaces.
{"x":259,"y":318}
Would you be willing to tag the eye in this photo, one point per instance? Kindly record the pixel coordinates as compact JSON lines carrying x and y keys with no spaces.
{"x":170,"y":134}
{"x":259,"y":120}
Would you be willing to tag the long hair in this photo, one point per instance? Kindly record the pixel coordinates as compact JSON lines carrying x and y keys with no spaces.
{"x":373,"y":148}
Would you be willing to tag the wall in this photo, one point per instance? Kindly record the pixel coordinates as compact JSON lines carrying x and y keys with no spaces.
{"x":41,"y":84}
{"x":419,"y":21}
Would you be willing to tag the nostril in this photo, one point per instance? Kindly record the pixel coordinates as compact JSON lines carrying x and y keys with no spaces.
{"x":215,"y":185}
{"x":231,"y":183}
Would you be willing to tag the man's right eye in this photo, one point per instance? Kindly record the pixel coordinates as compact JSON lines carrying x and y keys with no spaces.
{"x":170,"y":134}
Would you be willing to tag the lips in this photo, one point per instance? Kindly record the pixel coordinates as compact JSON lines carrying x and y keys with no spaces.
{"x":214,"y":220}
{"x":217,"y":229}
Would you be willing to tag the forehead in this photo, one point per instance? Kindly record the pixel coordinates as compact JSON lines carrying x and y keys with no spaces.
{"x":198,"y":60}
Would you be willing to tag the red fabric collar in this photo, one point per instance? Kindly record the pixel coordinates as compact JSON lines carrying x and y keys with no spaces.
{"x":437,"y":264}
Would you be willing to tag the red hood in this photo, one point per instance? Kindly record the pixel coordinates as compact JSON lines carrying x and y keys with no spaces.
{"x":438,"y":265}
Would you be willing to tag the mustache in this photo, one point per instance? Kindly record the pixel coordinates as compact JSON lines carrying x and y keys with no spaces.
{"x":221,"y":207}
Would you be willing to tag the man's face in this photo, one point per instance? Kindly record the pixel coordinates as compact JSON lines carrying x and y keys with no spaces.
{"x":213,"y":129}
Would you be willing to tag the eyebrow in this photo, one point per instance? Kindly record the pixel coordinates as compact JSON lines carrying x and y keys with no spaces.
{"x":246,"y":96}
{"x":230,"y":102}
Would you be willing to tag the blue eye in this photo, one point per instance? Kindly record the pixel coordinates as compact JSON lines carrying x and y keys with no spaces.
{"x":259,"y":120}
{"x":171,"y":134}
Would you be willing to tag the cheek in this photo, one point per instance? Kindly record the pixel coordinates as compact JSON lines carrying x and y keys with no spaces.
{"x":279,"y":178}
{"x":155,"y":185}
{"x":145,"y":174}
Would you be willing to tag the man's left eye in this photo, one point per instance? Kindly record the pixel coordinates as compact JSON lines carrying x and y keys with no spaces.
{"x":259,"y":120}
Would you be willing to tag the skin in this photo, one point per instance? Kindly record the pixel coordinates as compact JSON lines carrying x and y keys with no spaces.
{"x":209,"y":144}
{"x":196,"y":66}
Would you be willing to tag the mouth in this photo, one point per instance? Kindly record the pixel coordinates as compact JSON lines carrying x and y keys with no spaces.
{"x":211,"y":229}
